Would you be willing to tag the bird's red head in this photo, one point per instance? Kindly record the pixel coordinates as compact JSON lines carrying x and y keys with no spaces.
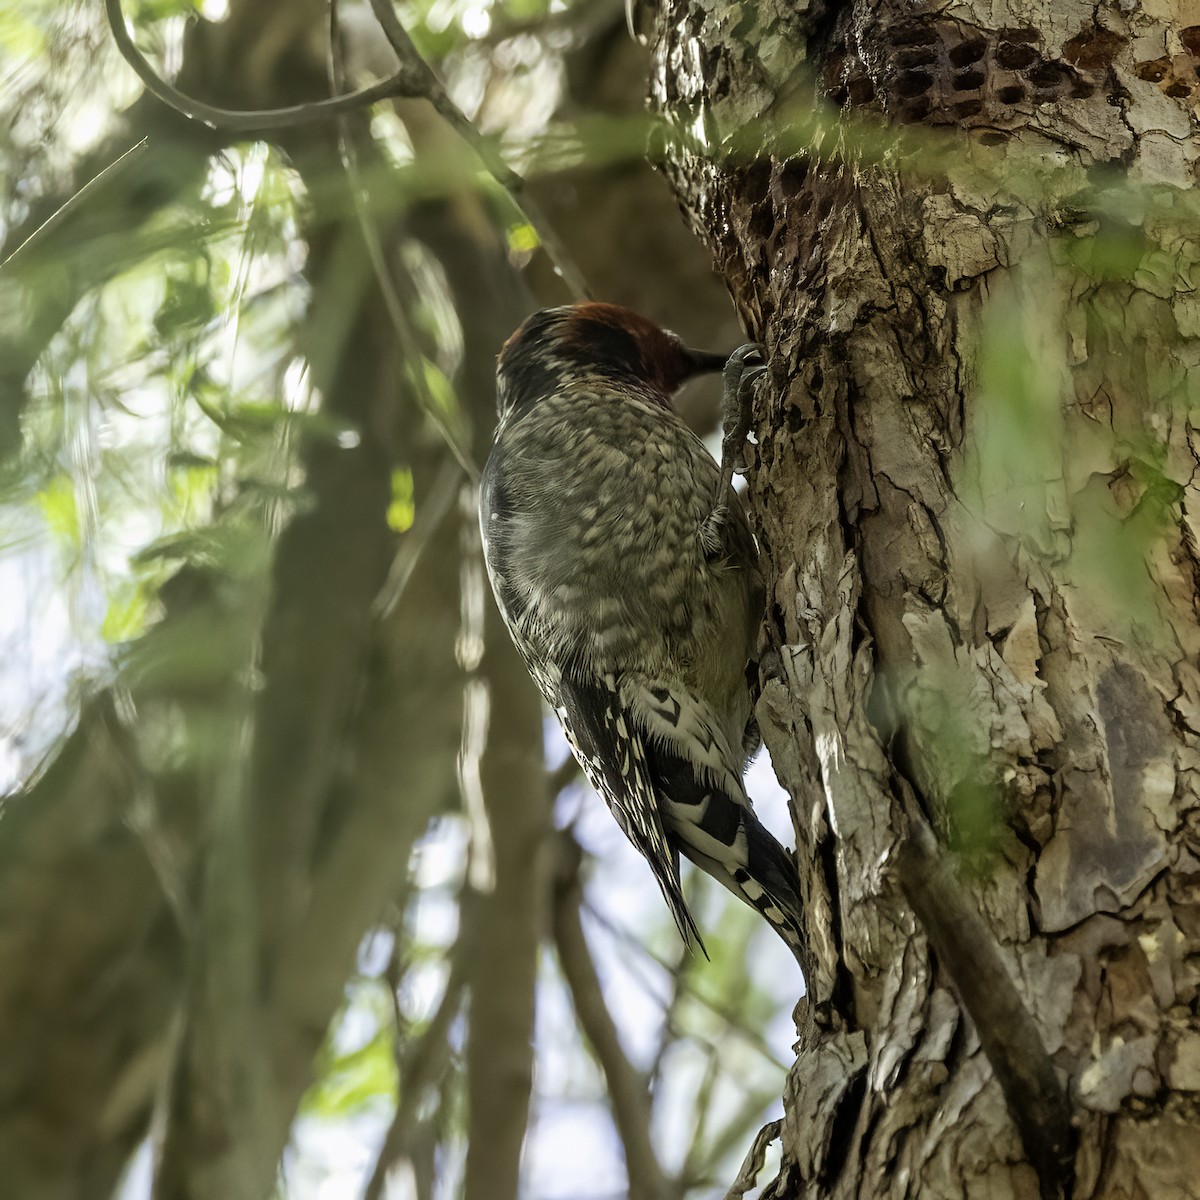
{"x":560,"y":346}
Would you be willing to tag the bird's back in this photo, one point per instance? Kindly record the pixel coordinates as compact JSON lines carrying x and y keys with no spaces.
{"x":591,"y":510}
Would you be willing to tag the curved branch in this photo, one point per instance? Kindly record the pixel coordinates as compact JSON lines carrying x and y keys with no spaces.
{"x":413,"y":79}
{"x":400,"y":84}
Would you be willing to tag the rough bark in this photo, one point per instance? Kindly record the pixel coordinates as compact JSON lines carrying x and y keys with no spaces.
{"x":942,"y":624}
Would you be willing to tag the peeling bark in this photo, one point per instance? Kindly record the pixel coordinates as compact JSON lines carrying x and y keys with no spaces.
{"x":999,"y":608}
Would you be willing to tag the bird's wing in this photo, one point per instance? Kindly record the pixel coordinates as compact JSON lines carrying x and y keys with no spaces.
{"x":610,"y":749}
{"x":674,"y":714}
{"x":705,"y":806}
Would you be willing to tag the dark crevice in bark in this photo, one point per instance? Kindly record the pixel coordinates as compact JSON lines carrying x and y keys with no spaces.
{"x":841,"y":1128}
{"x":956,"y":1048}
{"x":842,"y":993}
{"x":829,"y":32}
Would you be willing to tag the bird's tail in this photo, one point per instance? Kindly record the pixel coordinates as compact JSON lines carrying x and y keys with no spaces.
{"x":720,"y":833}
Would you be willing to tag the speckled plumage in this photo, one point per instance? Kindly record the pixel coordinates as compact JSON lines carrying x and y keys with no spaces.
{"x":635,"y":611}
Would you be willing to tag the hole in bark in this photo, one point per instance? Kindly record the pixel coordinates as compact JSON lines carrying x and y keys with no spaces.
{"x":1093,"y":49}
{"x":916,"y":56}
{"x":1190,"y":37}
{"x":918,"y":109}
{"x":835,"y":60}
{"x":913,"y":83}
{"x":1178,"y":89}
{"x":762,"y":221}
{"x":1020,"y":33}
{"x":993,"y":138}
{"x":862,"y":90}
{"x":1081,"y":90}
{"x":1013,"y":94}
{"x":792,"y":177}
{"x":914,"y":35}
{"x":824,"y":208}
{"x":968,"y":108}
{"x":757,"y":177}
{"x":968,"y":52}
{"x":1153,"y":71}
{"x":1048,"y":75}
{"x":968,"y":81}
{"x":1015,"y":57}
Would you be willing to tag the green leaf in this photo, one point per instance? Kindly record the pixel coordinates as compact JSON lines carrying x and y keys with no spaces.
{"x":126,"y":614}
{"x":355,"y":1081}
{"x":60,"y":511}
{"x":401,"y":510}
{"x":523,"y":239}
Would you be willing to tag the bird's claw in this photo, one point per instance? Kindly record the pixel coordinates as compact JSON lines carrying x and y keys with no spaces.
{"x":744,"y":366}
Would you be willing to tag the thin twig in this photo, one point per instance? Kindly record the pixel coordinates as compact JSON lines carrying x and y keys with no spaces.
{"x":428,"y":519}
{"x":701,"y":1110}
{"x":410,"y":60}
{"x":421,"y":1065}
{"x":679,"y":989}
{"x":64,"y":210}
{"x":400,"y":84}
{"x":398,"y":315}
{"x":753,"y":1037}
{"x":627,"y":1088}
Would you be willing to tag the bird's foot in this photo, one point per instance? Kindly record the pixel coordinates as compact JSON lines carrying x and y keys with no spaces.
{"x":743,"y":367}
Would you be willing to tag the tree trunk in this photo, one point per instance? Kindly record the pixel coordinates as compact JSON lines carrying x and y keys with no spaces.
{"x":975,"y":493}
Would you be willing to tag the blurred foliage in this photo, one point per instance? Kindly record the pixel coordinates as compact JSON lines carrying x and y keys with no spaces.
{"x":360,"y":1072}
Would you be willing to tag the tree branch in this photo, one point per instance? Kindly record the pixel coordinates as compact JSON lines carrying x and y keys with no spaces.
{"x":628,"y":1089}
{"x":422,"y":1064}
{"x":403,"y":83}
{"x":413,"y":79}
{"x":967,"y":949}
{"x":64,"y":210}
{"x":503,"y":785}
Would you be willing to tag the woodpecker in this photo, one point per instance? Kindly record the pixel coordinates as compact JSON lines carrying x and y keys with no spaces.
{"x":626,"y":572}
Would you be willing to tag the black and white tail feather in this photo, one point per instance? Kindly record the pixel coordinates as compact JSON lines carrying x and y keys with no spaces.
{"x":611,"y":750}
{"x":660,"y":762}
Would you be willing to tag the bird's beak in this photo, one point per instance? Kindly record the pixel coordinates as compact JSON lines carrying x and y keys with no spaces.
{"x":704,"y":362}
